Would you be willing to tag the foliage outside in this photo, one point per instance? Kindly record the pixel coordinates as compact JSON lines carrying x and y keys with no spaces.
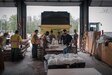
{"x":33,"y":23}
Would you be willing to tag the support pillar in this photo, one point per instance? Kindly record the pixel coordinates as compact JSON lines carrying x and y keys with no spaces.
{"x":84,"y":17}
{"x":21,"y":18}
{"x":81,"y":20}
{"x":86,"y":14}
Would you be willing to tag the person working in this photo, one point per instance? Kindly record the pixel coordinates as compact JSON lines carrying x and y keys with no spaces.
{"x":59,"y":37}
{"x":75,"y":39}
{"x":15,"y":43}
{"x":66,"y":41}
{"x":51,"y":36}
{"x":66,"y":38}
{"x":46,"y":41}
{"x":35,"y":43}
{"x":2,"y":43}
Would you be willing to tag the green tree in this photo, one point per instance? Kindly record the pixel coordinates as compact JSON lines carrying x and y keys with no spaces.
{"x":28,"y":24}
{"x":12,"y":23}
{"x":3,"y":23}
{"x":74,"y":23}
{"x":32,"y":24}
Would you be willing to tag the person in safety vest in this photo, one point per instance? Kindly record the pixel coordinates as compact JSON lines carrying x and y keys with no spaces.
{"x":15,"y":44}
{"x":2,"y":42}
{"x":35,"y":42}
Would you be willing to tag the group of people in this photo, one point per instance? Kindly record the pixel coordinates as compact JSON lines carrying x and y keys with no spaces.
{"x":47,"y":38}
{"x":15,"y":41}
{"x":36,"y":42}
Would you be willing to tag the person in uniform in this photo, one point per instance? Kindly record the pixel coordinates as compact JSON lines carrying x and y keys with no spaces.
{"x":15,"y":45}
{"x":2,"y":42}
{"x":35,"y":43}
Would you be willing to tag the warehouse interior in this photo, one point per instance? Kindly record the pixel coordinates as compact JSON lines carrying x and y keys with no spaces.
{"x":94,"y":52}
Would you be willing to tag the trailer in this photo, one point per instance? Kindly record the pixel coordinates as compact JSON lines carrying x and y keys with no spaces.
{"x":55,"y":21}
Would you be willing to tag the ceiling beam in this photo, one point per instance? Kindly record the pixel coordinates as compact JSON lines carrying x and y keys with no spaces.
{"x":58,"y":0}
{"x":7,"y":4}
{"x":101,"y":3}
{"x":3,"y":0}
{"x":89,"y":2}
{"x":53,"y":3}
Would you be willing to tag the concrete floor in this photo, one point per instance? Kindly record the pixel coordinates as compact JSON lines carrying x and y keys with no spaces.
{"x":91,"y":62}
{"x":28,"y":66}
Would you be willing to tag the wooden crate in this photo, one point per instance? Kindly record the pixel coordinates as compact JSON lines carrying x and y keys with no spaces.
{"x":106,"y":54}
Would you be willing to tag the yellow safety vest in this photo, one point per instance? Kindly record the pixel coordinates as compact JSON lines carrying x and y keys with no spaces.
{"x":15,"y":40}
{"x":34,"y":39}
{"x":2,"y":41}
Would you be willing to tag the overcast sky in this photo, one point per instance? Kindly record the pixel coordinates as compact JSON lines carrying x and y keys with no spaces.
{"x":7,"y":11}
{"x":97,"y":14}
{"x":103,"y":15}
{"x":32,"y":10}
{"x":36,"y":10}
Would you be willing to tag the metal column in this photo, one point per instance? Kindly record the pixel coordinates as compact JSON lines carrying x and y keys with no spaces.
{"x":21,"y":18}
{"x":84,"y":17}
{"x":86,"y":14}
{"x":81,"y":20}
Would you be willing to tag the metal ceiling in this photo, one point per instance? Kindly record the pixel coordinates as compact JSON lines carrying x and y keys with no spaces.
{"x":100,"y":3}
